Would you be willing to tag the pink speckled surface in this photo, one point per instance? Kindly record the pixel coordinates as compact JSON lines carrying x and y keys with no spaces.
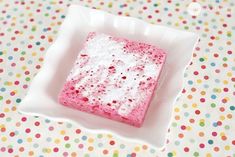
{"x":132,"y":69}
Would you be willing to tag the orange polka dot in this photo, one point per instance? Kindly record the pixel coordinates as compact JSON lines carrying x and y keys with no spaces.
{"x":201,"y":134}
{"x":181,"y":135}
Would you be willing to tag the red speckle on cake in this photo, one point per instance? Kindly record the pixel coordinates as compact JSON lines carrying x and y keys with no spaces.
{"x":114,"y":78}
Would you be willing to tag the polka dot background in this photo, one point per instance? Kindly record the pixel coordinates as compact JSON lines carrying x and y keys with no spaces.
{"x":203,"y":118}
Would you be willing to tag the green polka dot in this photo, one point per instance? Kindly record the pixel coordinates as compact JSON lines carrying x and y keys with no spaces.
{"x":115,"y":155}
{"x":170,"y":154}
{"x":155,"y":4}
{"x":213,"y":105}
{"x":18,"y":100}
{"x":202,"y":124}
{"x":67,"y":145}
{"x":195,"y":154}
{"x":27,"y":79}
{"x":225,"y":59}
{"x":110,"y":5}
{"x":229,"y":34}
{"x":23,"y":52}
{"x":1,"y":97}
{"x":33,"y":29}
{"x":86,"y":155}
{"x":8,"y":119}
{"x":76,"y":140}
{"x":99,"y":135}
{"x":201,"y":59}
{"x":174,"y":124}
{"x":1,"y":53}
{"x":227,"y":127}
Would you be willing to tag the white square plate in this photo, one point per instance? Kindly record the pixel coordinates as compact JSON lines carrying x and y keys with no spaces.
{"x":42,"y":96}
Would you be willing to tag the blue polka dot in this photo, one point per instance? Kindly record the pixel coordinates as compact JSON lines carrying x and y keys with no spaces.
{"x":212,"y":64}
{"x":215,"y":124}
{"x":217,"y":80}
{"x":166,"y":9}
{"x":210,"y":142}
{"x":3,"y":89}
{"x":186,"y":114}
{"x":233,"y":68}
{"x":19,"y":141}
{"x":190,"y":82}
{"x":48,"y":139}
{"x":232,"y":108}
{"x":30,"y":62}
{"x":207,"y":115}
{"x":10,"y":57}
{"x":84,"y":138}
{"x":47,"y":121}
{"x":35,"y":145}
{"x":214,"y":26}
{"x":206,"y":86}
{"x":221,"y":48}
{"x":213,"y":96}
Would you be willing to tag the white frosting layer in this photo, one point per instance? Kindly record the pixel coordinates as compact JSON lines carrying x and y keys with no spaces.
{"x":103,"y":52}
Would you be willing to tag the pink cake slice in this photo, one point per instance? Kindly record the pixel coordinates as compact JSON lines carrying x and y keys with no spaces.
{"x":114,"y":78}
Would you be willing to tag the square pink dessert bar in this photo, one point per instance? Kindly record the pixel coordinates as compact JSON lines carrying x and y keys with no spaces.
{"x":114,"y":78}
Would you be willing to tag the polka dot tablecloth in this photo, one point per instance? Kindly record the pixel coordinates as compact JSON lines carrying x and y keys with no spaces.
{"x":203,"y":117}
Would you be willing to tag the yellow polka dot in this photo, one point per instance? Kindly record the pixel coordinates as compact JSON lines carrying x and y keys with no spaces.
{"x":62,"y":132}
{"x":174,"y":153}
{"x":222,"y":117}
{"x":57,"y":141}
{"x":202,"y":120}
{"x":225,"y":82}
{"x":52,"y":24}
{"x":177,"y":109}
{"x":199,"y":81}
{"x":90,"y":140}
{"x":137,"y":149}
{"x":194,"y":105}
{"x":29,"y":139}
{"x":203,"y":92}
{"x":34,"y":54}
{"x":18,"y":75}
{"x":109,"y":135}
{"x":90,"y":148}
{"x":189,"y":128}
{"x":222,"y":134}
{"x":6,"y":110}
{"x":217,"y":38}
{"x":24,"y":67}
{"x":115,"y":151}
{"x":229,"y":74}
{"x":180,"y":17}
{"x":48,"y":150}
{"x":208,"y":155}
{"x":227,"y":147}
{"x":3,"y":139}
{"x":177,"y":24}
